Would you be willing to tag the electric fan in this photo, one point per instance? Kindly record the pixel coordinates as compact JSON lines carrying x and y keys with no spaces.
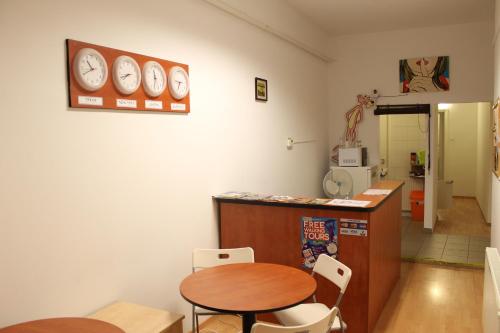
{"x":338,"y":184}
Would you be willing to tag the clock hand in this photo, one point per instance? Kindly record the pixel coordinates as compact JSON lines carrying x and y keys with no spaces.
{"x":178,"y":84}
{"x":123,"y":77}
{"x":91,"y":68}
{"x":154,"y":74}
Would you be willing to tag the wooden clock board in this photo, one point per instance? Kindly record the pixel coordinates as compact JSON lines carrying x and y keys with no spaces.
{"x":109,"y":97}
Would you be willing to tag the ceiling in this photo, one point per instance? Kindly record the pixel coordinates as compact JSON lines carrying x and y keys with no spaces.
{"x":344,"y":17}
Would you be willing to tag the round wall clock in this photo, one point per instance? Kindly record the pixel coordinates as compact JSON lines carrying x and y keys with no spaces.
{"x":126,"y":75}
{"x":90,"y":69}
{"x":178,"y":82}
{"x":154,"y":78}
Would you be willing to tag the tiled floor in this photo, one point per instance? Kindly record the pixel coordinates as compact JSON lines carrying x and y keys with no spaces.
{"x":421,"y":246}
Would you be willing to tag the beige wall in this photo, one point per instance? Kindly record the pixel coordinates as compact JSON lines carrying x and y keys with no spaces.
{"x":431,"y":178}
{"x":460,"y":148}
{"x":383,"y":137}
{"x":495,"y":182}
{"x":97,"y":206}
{"x":484,"y":160}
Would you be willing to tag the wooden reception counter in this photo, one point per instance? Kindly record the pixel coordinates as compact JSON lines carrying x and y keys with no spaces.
{"x":274,"y":231}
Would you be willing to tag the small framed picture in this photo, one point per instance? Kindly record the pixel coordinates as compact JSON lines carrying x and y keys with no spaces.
{"x":260,"y":89}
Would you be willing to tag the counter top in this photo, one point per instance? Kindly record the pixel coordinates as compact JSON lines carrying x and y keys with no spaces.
{"x":254,"y":199}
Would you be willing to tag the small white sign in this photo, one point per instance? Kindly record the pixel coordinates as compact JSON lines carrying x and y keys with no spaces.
{"x":353,"y":221}
{"x":90,"y":100}
{"x":353,"y":227}
{"x":178,"y":107}
{"x":126,"y":103}
{"x":353,"y":232}
{"x":157,"y":105}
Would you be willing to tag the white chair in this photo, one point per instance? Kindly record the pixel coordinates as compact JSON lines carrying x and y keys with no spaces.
{"x":336,"y":272}
{"x":320,"y":326}
{"x":205,"y":258}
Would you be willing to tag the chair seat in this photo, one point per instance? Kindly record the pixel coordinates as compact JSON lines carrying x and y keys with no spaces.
{"x":306,"y":313}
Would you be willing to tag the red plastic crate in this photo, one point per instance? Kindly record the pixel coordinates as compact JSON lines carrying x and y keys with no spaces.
{"x":417,"y":205}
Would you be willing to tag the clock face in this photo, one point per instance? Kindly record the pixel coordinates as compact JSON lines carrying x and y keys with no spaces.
{"x":154,"y":78}
{"x":90,"y":69}
{"x":178,"y":82}
{"x":126,"y":75}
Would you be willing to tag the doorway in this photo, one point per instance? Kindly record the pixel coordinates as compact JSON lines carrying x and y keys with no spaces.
{"x":403,"y":149}
{"x":403,"y":145}
{"x":464,"y":171}
{"x":456,"y":234}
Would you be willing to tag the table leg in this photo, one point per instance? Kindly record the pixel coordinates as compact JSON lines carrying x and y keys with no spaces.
{"x":248,"y":321}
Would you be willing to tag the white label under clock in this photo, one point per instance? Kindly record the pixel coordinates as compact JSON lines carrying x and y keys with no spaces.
{"x":178,"y":107}
{"x":126,"y":103}
{"x":157,"y":105}
{"x":90,"y":100}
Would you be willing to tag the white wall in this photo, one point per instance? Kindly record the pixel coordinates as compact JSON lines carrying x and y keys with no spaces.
{"x":370,"y":61}
{"x":282,"y":19}
{"x":495,"y":211}
{"x":431,"y":177}
{"x":97,"y":205}
{"x":461,"y":148}
{"x":495,"y":182}
{"x":484,"y":160}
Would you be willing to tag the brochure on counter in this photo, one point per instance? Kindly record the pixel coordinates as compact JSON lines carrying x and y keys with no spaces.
{"x":289,"y":199}
{"x":349,"y":203}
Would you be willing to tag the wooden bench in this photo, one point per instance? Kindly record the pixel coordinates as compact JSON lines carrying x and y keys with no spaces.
{"x":134,"y":318}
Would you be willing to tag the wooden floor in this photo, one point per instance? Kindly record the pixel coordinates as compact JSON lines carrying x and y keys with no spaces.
{"x":434,"y":299}
{"x":463,"y":218}
{"x":427,"y":299}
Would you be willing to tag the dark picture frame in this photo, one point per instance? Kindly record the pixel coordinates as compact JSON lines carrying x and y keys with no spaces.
{"x":260,"y":89}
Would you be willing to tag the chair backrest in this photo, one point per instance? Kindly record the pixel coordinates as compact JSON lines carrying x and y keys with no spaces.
{"x":204,"y":258}
{"x":324,"y":325}
{"x":333,"y":270}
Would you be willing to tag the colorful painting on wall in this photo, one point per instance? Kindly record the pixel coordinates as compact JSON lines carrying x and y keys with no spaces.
{"x":496,"y":138}
{"x":426,"y":74}
{"x":353,"y":117}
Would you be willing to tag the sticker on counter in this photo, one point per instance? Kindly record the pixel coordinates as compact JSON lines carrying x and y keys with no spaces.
{"x":319,"y":235}
{"x":352,"y":227}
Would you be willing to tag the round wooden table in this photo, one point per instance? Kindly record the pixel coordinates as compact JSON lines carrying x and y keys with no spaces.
{"x":248,"y":289}
{"x":63,"y":325}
